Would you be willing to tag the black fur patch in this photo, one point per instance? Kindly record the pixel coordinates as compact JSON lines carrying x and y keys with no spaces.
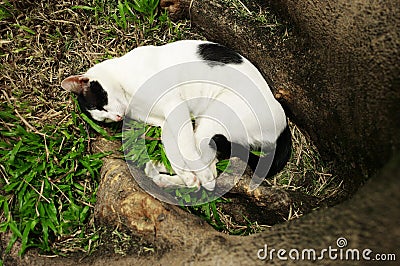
{"x":226,"y":149}
{"x":94,"y":98}
{"x":283,"y":150}
{"x":218,"y":54}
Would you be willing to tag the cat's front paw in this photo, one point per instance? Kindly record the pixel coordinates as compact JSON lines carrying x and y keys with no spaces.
{"x":157,"y":172}
{"x":207,"y":176}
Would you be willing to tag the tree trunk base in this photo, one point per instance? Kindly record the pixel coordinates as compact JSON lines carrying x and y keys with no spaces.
{"x":123,"y":203}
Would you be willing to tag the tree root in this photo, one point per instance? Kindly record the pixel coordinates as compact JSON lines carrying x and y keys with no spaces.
{"x":122,"y":202}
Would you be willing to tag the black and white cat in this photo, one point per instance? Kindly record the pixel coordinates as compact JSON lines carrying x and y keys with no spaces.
{"x":108,"y":92}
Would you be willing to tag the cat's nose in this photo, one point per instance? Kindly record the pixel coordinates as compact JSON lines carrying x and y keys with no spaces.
{"x":118,"y":118}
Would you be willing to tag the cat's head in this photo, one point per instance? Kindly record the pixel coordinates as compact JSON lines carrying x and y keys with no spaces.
{"x":96,"y":98}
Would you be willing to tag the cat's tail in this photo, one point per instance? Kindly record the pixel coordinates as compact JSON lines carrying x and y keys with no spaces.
{"x":265,"y":166}
{"x":283,"y":151}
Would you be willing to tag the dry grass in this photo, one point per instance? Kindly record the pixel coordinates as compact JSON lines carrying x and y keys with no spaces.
{"x":42,"y":42}
{"x":306,"y":171}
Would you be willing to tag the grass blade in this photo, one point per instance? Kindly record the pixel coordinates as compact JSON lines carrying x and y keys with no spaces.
{"x":96,"y":127}
{"x":15,"y":151}
{"x":84,"y":7}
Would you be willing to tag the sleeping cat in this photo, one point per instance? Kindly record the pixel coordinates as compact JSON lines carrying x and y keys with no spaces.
{"x":226,"y":123}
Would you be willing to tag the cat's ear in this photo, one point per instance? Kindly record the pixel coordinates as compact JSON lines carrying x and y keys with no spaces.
{"x":76,"y":84}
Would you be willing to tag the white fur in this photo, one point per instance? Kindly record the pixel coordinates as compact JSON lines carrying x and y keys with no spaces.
{"x":122,"y":77}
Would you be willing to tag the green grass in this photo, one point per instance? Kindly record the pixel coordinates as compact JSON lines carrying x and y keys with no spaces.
{"x":49,"y":182}
{"x":142,"y":143}
{"x":48,"y":177}
{"x":142,"y":16}
{"x":6,"y":10}
{"x":127,"y":12}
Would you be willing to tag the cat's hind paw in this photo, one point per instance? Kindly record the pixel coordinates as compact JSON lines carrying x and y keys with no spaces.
{"x":156,"y":171}
{"x":163,"y":180}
